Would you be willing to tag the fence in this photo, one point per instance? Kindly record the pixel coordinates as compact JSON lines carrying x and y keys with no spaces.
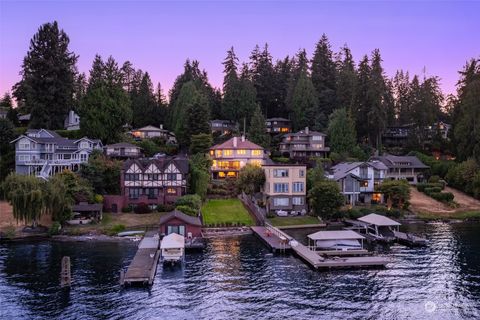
{"x":258,"y":212}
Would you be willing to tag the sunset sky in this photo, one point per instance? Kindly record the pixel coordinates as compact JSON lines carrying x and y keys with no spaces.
{"x":157,"y":36}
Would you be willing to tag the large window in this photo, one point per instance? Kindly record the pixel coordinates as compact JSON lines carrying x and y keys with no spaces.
{"x":24,"y":146}
{"x":256,"y":152}
{"x":317,"y":138}
{"x":279,"y":173}
{"x":152,"y":177}
{"x":171,"y":191}
{"x":241,"y":151}
{"x":227,"y":152}
{"x":176,"y":229}
{"x":133,"y":193}
{"x":280,"y":202}
{"x":171,"y":176}
{"x":280,"y":187}
{"x":298,"y":187}
{"x":298,"y":201}
{"x":132,"y":177}
{"x":152,"y":193}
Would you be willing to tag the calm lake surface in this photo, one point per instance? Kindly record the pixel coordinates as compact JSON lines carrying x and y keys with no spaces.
{"x":237,"y":278}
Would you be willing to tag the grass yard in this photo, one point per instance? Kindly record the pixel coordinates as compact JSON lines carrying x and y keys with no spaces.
{"x":225,"y":211}
{"x":293,"y":221}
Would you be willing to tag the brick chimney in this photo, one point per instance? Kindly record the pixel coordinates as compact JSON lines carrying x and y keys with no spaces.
{"x":234,"y":142}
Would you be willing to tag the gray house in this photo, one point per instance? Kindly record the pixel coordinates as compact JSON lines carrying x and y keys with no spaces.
{"x":409,"y":168}
{"x":44,"y":153}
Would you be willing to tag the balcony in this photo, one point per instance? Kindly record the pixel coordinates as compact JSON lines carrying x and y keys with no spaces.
{"x":225,"y":168}
{"x":123,"y":154}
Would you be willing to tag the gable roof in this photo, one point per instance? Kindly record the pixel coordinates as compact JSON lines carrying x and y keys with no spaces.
{"x":122,"y":145}
{"x":343,"y":168}
{"x":378,"y":220}
{"x":277,"y":119}
{"x":182,"y":216}
{"x":241,"y":144}
{"x":162,"y":163}
{"x":149,"y":128}
{"x":392,"y":161}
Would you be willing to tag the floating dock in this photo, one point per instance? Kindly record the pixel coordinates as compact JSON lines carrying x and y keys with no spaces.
{"x":273,"y":238}
{"x":143,"y":267}
{"x":410,"y":239}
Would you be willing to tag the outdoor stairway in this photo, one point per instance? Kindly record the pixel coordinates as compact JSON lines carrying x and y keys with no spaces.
{"x":45,"y":172}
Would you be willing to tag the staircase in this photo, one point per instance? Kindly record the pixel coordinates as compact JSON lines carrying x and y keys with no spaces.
{"x":45,"y":172}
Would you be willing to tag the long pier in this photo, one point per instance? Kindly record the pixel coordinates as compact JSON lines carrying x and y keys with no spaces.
{"x":273,"y":238}
{"x":143,"y":267}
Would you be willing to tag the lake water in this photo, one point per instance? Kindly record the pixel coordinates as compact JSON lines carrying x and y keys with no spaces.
{"x":237,"y":278}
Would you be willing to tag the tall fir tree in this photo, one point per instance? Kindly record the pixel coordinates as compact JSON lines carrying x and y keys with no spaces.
{"x":401,"y":90}
{"x":231,"y":86}
{"x":143,"y":104}
{"x":48,"y":74}
{"x":105,"y":109}
{"x":186,"y":98}
{"x":263,"y":77}
{"x":346,"y":80}
{"x":257,"y":132}
{"x":362,"y":103}
{"x":341,"y":132}
{"x":324,"y":75}
{"x":283,"y":73}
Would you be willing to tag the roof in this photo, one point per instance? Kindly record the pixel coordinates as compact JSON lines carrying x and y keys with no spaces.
{"x":242,"y":143}
{"x":149,"y":128}
{"x":24,"y":117}
{"x":182,"y":216}
{"x":335,"y":235}
{"x":342,"y":169}
{"x":82,"y":207}
{"x":392,"y":161}
{"x":172,"y":241}
{"x":121,"y":145}
{"x":305,"y":132}
{"x":277,"y":119}
{"x":378,"y":220}
{"x":162,"y":163}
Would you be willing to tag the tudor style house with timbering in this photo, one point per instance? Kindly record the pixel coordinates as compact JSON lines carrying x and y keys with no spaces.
{"x":285,"y":187}
{"x":151,"y":181}
{"x":304,"y":144}
{"x":357,"y":180}
{"x":232,"y":155}
{"x":44,"y":153}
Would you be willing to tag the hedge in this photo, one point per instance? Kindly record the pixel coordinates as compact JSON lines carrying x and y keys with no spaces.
{"x":187,"y":210}
{"x":442,"y":196}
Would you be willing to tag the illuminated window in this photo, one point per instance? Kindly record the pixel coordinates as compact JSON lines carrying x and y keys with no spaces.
{"x":227,"y":152}
{"x":218,"y":153}
{"x":257,"y":163}
{"x":221,"y":174}
{"x":171,"y":191}
{"x":231,"y":174}
{"x":284,"y":130}
{"x":241,"y":151}
{"x":212,"y":152}
{"x":257,"y":152}
{"x":376,"y":197}
{"x":364,"y":184}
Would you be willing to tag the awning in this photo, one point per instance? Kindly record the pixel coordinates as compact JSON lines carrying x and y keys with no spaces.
{"x":335,"y":235}
{"x":173,"y":241}
{"x":379,"y":220}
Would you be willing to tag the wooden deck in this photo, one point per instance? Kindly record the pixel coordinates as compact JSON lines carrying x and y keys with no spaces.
{"x":410,"y":239}
{"x":272,"y":240}
{"x":143,"y":267}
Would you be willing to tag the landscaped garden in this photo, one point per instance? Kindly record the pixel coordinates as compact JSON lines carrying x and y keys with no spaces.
{"x":225,"y":212}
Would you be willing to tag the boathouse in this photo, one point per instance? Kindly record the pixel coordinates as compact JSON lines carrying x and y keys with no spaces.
{"x":180,"y":223}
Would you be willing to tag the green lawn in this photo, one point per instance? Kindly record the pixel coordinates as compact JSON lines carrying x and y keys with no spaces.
{"x":456,"y":215}
{"x":293,"y":221}
{"x":221,"y":211}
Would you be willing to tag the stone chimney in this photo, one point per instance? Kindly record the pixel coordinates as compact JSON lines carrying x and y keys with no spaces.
{"x":161,"y":126}
{"x":306,"y":130}
{"x":235,"y":142}
{"x":243,"y":138}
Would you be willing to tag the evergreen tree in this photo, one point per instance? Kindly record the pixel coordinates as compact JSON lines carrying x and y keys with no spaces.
{"x":362,"y":102}
{"x":346,"y":80}
{"x":376,"y":115}
{"x":6,"y":104}
{"x":324,"y":76}
{"x":247,"y":99}
{"x":198,"y":116}
{"x":283,"y":70}
{"x":257,"y":132}
{"x":341,"y":132}
{"x":467,"y":113}
{"x":401,"y":90}
{"x":231,"y":87}
{"x":143,"y":104}
{"x":105,"y":108}
{"x":179,"y":114}
{"x":7,"y":150}
{"x":304,"y":107}
{"x":263,"y":77}
{"x":48,"y":74}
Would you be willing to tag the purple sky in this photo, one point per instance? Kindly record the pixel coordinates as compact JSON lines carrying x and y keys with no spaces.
{"x":157,"y":36}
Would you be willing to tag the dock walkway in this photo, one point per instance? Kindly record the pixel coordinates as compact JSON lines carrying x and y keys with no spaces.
{"x":143,"y":267}
{"x":276,"y":241}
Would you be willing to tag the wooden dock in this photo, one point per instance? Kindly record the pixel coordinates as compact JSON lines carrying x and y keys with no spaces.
{"x":410,"y":239}
{"x":360,"y":252}
{"x":277,"y":242}
{"x":143,"y":267}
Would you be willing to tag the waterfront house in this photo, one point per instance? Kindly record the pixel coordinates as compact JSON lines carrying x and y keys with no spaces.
{"x":285,"y":188}
{"x":151,"y":182}
{"x":409,"y":168}
{"x":304,"y":145}
{"x":278,"y":126}
{"x":44,"y":153}
{"x":223,"y":127}
{"x":232,"y":155}
{"x":149,"y":132}
{"x":122,"y":151}
{"x":72,"y":121}
{"x":357,"y":180}
{"x":180,"y":223}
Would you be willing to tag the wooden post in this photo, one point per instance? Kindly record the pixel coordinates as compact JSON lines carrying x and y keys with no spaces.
{"x":65,"y":274}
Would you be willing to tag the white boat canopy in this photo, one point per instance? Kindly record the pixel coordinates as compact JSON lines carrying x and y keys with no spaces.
{"x":378,"y":220}
{"x":335,"y":235}
{"x":173,"y":241}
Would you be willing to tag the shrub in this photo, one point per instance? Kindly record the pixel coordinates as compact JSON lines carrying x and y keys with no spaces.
{"x":116,"y":229}
{"x":430,"y":190}
{"x":55,"y":229}
{"x":421,"y":187}
{"x":187,"y":210}
{"x":434,"y":179}
{"x":165,"y":207}
{"x":98,"y":198}
{"x":190,"y":200}
{"x":442,"y":196}
{"x":142,"y":208}
{"x":127,"y":209}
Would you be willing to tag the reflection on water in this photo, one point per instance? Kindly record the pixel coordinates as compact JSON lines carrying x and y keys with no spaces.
{"x":238,"y":278}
